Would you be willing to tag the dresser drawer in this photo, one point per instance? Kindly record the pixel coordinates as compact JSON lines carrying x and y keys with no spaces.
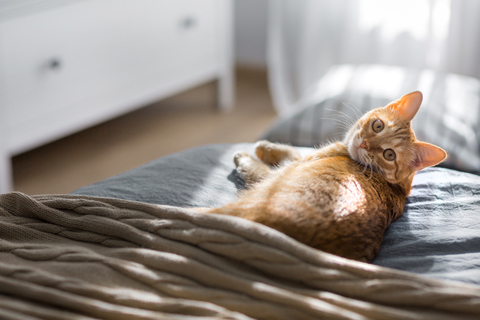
{"x":61,"y":63}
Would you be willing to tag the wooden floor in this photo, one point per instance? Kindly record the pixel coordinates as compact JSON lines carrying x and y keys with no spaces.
{"x":181,"y":122}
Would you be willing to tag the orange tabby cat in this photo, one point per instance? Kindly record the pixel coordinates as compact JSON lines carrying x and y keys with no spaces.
{"x":342,"y":197}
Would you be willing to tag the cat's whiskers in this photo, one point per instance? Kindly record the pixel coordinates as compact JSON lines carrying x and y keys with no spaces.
{"x":353,"y":108}
{"x":368,"y":163}
{"x":371,"y":171}
{"x":324,"y":192}
{"x":364,"y":162}
{"x":339,"y":135}
{"x":346,"y":117}
{"x":365,"y":166}
{"x":340,"y":122}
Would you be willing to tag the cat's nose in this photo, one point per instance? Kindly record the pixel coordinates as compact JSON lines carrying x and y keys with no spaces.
{"x":364,"y":145}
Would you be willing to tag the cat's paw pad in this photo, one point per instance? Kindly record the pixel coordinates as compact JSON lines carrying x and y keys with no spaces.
{"x":238,"y":156}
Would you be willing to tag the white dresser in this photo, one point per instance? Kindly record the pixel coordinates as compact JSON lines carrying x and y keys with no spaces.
{"x":67,"y":65}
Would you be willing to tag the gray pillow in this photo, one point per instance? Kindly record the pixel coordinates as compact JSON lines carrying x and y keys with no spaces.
{"x":449,"y":116}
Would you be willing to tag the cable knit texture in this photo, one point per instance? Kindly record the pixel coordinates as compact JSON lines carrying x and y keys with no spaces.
{"x":82,"y":257}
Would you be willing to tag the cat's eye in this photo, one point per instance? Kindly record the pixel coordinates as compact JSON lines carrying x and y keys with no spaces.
{"x":389,"y":154}
{"x":378,"y":125}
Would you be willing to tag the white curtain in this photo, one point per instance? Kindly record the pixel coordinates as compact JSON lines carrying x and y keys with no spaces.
{"x":306,"y":37}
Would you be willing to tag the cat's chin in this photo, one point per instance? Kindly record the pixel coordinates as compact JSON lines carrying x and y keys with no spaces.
{"x":354,"y":150}
{"x":354,"y":153}
{"x":357,"y":153}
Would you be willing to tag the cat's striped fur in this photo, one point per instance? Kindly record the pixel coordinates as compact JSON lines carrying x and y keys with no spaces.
{"x":342,"y":197}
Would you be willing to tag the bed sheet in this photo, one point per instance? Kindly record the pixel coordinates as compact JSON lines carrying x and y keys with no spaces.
{"x":437,"y":236}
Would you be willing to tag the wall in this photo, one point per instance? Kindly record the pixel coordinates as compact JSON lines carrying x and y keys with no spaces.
{"x":251,"y":32}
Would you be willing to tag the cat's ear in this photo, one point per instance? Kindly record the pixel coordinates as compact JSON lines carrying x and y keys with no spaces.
{"x":407,"y":106}
{"x":427,"y":155}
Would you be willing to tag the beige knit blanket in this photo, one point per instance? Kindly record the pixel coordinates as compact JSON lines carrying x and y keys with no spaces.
{"x":78,"y":257}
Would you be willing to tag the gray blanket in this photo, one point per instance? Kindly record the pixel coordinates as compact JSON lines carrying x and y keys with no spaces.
{"x":81,"y":257}
{"x":437,"y":236}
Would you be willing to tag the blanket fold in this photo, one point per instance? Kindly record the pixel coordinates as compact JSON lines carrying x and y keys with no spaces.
{"x":82,"y":257}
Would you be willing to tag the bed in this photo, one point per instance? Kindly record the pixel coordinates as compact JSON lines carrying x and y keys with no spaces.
{"x":134,"y":247}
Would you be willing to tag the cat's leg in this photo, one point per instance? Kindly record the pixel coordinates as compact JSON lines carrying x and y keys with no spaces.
{"x":251,"y":170}
{"x":275,"y":154}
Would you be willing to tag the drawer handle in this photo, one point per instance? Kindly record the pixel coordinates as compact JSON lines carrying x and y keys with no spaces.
{"x":54,"y":64}
{"x":188,"y":22}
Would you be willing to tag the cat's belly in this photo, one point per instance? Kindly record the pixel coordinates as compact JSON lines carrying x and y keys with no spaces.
{"x":329,"y":204}
{"x":333,"y":184}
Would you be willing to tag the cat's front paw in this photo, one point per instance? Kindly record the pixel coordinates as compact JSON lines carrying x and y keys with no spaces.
{"x":274,"y":154}
{"x":249,"y":168}
{"x":264,"y":150}
{"x":240,"y":157}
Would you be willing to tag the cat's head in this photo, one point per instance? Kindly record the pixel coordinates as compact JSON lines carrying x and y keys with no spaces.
{"x":383,"y":139}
